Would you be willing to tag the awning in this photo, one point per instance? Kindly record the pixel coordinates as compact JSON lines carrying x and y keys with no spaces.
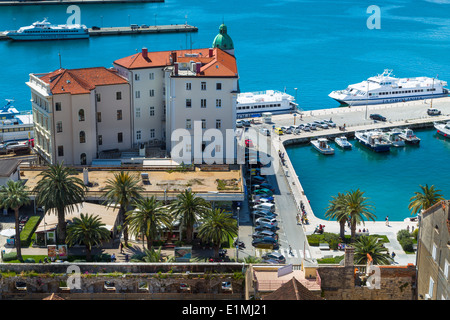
{"x":8,"y":232}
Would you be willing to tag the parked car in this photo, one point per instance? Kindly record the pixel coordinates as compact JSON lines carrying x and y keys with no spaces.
{"x":95,"y":28}
{"x":274,"y":256}
{"x":433,"y":112}
{"x":265,"y":243}
{"x":263,"y":214}
{"x":144,"y":26}
{"x":330,"y":123}
{"x":306,"y":128}
{"x":265,"y":226}
{"x":239,"y":124}
{"x":267,"y":206}
{"x":313,"y":126}
{"x":264,"y":233}
{"x":272,"y":222}
{"x":262,"y":190}
{"x":246,"y":123}
{"x":376,"y":116}
{"x":279,"y":131}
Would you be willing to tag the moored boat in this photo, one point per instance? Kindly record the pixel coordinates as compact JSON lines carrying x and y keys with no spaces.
{"x":393,"y":137}
{"x":443,"y":129}
{"x":409,"y":136}
{"x":343,"y":143}
{"x":14,"y":125}
{"x":373,"y":140}
{"x":322,"y":146}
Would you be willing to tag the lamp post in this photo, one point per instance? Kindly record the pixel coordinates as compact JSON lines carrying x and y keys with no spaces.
{"x":237,"y":242}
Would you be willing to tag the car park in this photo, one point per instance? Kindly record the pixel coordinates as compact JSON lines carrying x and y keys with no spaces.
{"x":276,"y":256}
{"x":378,"y":117}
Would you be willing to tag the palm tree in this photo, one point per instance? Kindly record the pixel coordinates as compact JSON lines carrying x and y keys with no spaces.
{"x":425,"y":199}
{"x":59,"y":190}
{"x":147,"y":218}
{"x":14,"y":195}
{"x":337,"y":210}
{"x":151,"y":255}
{"x":87,"y":229}
{"x":189,"y":209}
{"x":123,"y":189}
{"x":358,"y":209}
{"x":217,"y":227}
{"x":370,"y":245}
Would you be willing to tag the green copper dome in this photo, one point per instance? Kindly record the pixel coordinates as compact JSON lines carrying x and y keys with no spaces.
{"x":223,"y":40}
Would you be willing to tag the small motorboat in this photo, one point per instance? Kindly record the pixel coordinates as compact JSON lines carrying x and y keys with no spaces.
{"x":343,"y":142}
{"x":322,"y":146}
{"x":409,"y":136}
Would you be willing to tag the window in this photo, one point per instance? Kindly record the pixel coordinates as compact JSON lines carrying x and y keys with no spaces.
{"x":120,"y":137}
{"x":82,"y":137}
{"x":138,"y":135}
{"x":203,"y":123}
{"x":218,"y":103}
{"x":100,"y":140}
{"x":136,"y":77}
{"x":152,"y":111}
{"x":203,"y":103}
{"x":138,"y":112}
{"x":151,"y":76}
{"x":81,"y":115}
{"x":119,"y":114}
{"x":188,"y":103}
{"x":188,"y":147}
{"x":446,"y":267}
{"x":434,"y":253}
{"x":152,"y":133}
{"x":152,"y":92}
{"x":188,"y":86}
{"x":218,"y":148}
{"x":218,"y":86}
{"x":137,"y":94}
{"x":99,"y":97}
{"x":60,"y":151}
{"x":99,"y":117}
{"x":431,"y":287}
{"x":188,"y":124}
{"x":59,"y":126}
{"x":118,"y":95}
{"x":58,"y":106}
{"x":218,"y":124}
{"x":203,"y":86}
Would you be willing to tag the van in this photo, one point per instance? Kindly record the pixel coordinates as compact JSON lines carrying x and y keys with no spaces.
{"x":279,"y":131}
{"x":265,"y":206}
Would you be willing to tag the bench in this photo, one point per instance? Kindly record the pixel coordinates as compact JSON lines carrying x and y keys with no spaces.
{"x":324,"y":246}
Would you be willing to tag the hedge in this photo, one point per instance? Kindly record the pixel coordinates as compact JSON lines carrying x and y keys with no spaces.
{"x":9,"y":256}
{"x":28,"y":230}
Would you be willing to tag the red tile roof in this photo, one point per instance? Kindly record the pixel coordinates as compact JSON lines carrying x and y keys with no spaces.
{"x":220,"y":64}
{"x":292,"y":290}
{"x":81,"y":81}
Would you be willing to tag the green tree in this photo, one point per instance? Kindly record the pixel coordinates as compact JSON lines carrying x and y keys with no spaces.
{"x":87,"y":230}
{"x":122,"y":189}
{"x":370,"y":245}
{"x":337,"y":210}
{"x":60,"y":191}
{"x":147,"y":218}
{"x":152,"y":255}
{"x":14,"y":195}
{"x":358,"y":209}
{"x":423,"y":200}
{"x":217,"y":227}
{"x":189,"y":209}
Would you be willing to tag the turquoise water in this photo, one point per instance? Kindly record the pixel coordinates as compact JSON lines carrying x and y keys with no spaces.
{"x":389,"y":180}
{"x":315,"y":46}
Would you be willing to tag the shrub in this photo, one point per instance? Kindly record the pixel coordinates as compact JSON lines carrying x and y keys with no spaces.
{"x":407,"y":244}
{"x":415,"y":233}
{"x":28,"y":230}
{"x":403,"y":234}
{"x":9,"y":256}
{"x":29,"y":260}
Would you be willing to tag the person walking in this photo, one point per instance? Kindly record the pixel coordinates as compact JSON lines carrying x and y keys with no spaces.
{"x":387,"y":221}
{"x":121,"y":247}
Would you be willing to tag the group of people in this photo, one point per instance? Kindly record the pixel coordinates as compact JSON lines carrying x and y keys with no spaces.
{"x":302,"y":218}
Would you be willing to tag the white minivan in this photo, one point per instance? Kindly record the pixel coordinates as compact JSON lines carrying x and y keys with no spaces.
{"x":265,"y":206}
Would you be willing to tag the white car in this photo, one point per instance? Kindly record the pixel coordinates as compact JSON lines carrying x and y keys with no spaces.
{"x":272,"y":222}
{"x":239,"y":124}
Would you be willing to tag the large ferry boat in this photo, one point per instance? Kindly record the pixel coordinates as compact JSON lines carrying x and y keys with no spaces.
{"x":253,"y":103}
{"x":44,"y":30}
{"x":14,"y":125}
{"x":385,"y":88}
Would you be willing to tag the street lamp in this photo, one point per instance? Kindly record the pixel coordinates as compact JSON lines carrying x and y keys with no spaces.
{"x":237,"y":242}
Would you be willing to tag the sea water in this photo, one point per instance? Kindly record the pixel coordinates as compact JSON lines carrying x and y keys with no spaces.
{"x":388,"y":179}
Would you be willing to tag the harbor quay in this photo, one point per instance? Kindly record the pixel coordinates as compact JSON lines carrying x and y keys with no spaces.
{"x":399,"y":115}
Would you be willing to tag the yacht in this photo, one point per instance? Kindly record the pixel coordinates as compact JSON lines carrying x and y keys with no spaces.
{"x":409,"y":136}
{"x":44,"y":30}
{"x":443,"y":129}
{"x":373,"y":140}
{"x":393,"y":137}
{"x":322,"y":146}
{"x":343,"y":142}
{"x":385,"y":88}
{"x":254,"y":103}
{"x":15,"y":125}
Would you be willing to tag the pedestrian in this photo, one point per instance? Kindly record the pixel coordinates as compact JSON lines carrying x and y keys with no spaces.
{"x":290,"y":250}
{"x":412,"y":229}
{"x":298,"y":218}
{"x":121,"y":247}
{"x":407,"y":228}
{"x":387,"y":221}
{"x":393,"y":255}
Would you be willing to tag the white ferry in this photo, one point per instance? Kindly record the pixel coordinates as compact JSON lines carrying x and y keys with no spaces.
{"x":15,"y":126}
{"x":44,"y":30}
{"x":255,"y":103}
{"x":385,"y":88}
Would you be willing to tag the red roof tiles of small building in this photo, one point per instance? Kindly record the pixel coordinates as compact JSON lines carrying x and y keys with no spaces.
{"x":219,"y":64}
{"x":292,"y":290}
{"x":81,"y":81}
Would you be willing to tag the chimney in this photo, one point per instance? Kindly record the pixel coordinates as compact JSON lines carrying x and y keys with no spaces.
{"x":174,"y":56}
{"x":176,"y":68}
{"x":211,"y":52}
{"x":145,"y":53}
{"x":349,"y":256}
{"x":199,"y":65}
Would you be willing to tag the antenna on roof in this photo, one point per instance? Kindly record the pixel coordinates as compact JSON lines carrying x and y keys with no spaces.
{"x":59,"y":54}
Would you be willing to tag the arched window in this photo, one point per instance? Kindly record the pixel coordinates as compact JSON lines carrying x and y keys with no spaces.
{"x":83,"y":159}
{"x":81,"y":115}
{"x":82,"y":137}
